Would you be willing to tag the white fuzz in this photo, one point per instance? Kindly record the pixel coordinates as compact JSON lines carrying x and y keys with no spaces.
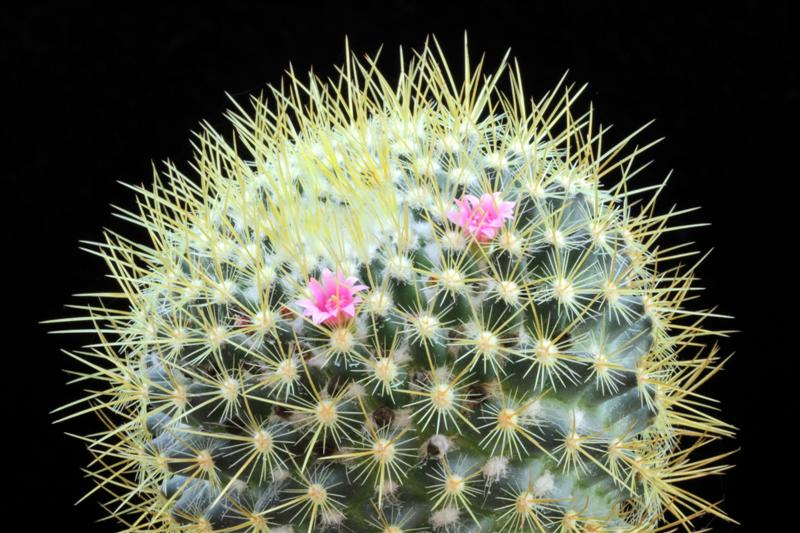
{"x":217,"y":335}
{"x":332,"y":517}
{"x":225,"y":291}
{"x":446,"y":518}
{"x":223,"y":249}
{"x":462,"y":176}
{"x":555,"y":237}
{"x":578,"y":418}
{"x":264,"y":321}
{"x":497,"y":161}
{"x":495,"y":469}
{"x":399,"y":267}
{"x":544,"y":485}
{"x":400,"y":355}
{"x":251,"y":293}
{"x":454,"y":240}
{"x":508,"y":291}
{"x":432,"y":251}
{"x":419,"y":197}
{"x":425,"y":326}
{"x":363,"y":326}
{"x":521,"y":148}
{"x":298,"y":323}
{"x":422,"y":230}
{"x":533,"y":412}
{"x":452,"y":280}
{"x":441,"y":442}
{"x":564,"y":291}
{"x":510,"y":242}
{"x":389,"y":488}
{"x":535,"y":187}
{"x":597,"y":230}
{"x":441,"y":374}
{"x":450,"y":144}
{"x":318,"y":359}
{"x":280,"y":475}
{"x":356,"y":390}
{"x":402,"y":419}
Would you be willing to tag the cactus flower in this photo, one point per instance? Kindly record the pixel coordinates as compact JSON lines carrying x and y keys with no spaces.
{"x":332,"y":300}
{"x":482,"y":218}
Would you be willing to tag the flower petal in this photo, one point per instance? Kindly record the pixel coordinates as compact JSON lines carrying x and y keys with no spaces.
{"x":317,"y":290}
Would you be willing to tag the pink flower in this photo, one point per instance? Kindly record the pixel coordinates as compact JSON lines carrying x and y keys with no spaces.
{"x":333,"y":299}
{"x":482,"y":218}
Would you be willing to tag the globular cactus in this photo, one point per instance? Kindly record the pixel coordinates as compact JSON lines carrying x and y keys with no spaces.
{"x":413,"y":306}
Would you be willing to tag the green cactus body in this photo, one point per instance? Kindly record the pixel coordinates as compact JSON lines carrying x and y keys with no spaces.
{"x":496,"y":372}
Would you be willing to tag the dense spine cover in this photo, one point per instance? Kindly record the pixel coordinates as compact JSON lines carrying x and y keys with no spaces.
{"x":420,"y":306}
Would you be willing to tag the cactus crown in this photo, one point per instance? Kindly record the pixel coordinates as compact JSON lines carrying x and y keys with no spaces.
{"x":419,"y":306}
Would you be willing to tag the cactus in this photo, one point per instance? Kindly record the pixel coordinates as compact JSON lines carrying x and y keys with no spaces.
{"x":419,"y":306}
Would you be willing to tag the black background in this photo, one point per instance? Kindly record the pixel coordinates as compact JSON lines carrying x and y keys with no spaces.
{"x":98,"y":95}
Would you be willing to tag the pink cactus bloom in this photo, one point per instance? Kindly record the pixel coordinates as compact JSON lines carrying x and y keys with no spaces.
{"x":482,"y":218}
{"x":333,"y":300}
